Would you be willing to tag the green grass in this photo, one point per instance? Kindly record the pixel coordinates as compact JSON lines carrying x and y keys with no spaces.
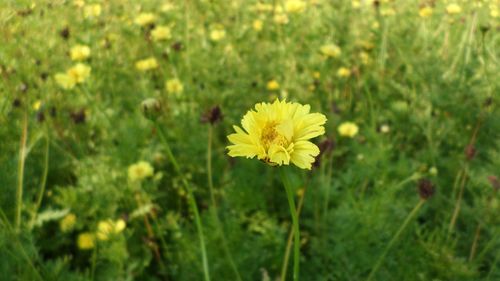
{"x":433,"y":82}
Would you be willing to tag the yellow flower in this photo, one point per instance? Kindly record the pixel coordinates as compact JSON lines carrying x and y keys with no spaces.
{"x":425,"y":12}
{"x":146,"y":64}
{"x":453,"y":9}
{"x":167,"y":7}
{"x":79,"y":3}
{"x":86,"y":241}
{"x":161,"y":33}
{"x":217,"y":33}
{"x":145,"y":19}
{"x":79,"y":52}
{"x":278,"y":133}
{"x":316,"y":75}
{"x":295,"y":6}
{"x":365,"y":58}
{"x":280,"y":18}
{"x":109,"y":227}
{"x":92,"y":11}
{"x":344,"y":72}
{"x":37,"y":104}
{"x":79,"y":73}
{"x":174,"y":86}
{"x":140,"y":171}
{"x":330,"y":50}
{"x":348,"y":129}
{"x":273,"y":85}
{"x":65,"y":81}
{"x":67,"y":222}
{"x":257,"y":25}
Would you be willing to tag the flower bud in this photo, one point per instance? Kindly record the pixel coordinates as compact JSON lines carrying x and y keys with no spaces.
{"x":151,"y":108}
{"x":212,"y":115}
{"x":425,"y":189}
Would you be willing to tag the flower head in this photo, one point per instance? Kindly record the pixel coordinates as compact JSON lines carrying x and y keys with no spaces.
{"x":140,"y":171}
{"x":278,"y":133}
{"x":146,"y":64}
{"x":75,"y":75}
{"x":453,"y":9}
{"x":86,"y":241}
{"x":161,"y":33}
{"x":174,"y":86}
{"x":92,"y":11}
{"x":79,"y":52}
{"x":295,"y":6}
{"x":217,"y":32}
{"x":330,"y":50}
{"x":343,"y":72}
{"x":145,"y":19}
{"x":348,"y":129}
{"x":67,"y":222}
{"x":425,"y":12}
{"x":273,"y":85}
{"x":109,"y":227}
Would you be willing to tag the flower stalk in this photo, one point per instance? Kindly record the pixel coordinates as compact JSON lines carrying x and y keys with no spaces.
{"x":295,"y":221}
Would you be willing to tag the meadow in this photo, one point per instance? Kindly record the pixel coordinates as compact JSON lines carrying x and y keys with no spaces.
{"x":250,"y":140}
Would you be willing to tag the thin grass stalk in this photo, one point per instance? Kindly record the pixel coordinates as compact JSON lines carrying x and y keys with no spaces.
{"x":191,"y":201}
{"x":395,"y":238}
{"x":214,"y":206}
{"x":20,"y":171}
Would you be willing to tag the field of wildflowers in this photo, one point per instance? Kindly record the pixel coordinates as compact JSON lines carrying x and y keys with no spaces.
{"x":250,"y":140}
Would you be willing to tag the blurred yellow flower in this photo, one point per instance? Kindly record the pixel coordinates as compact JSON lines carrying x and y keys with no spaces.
{"x":140,"y":171}
{"x":280,"y":18}
{"x":257,"y":25}
{"x":316,"y":74}
{"x":174,"y":86}
{"x":295,"y":6}
{"x":453,"y":9}
{"x":145,"y":19}
{"x":79,"y":3}
{"x":79,"y":52}
{"x":272,"y":85}
{"x":330,"y":50}
{"x":425,"y":12}
{"x":86,"y":241}
{"x":76,"y":74}
{"x":167,"y":7}
{"x":109,"y":227}
{"x":91,"y":11}
{"x":37,"y":104}
{"x":161,"y":33}
{"x":68,"y":222}
{"x":278,"y":133}
{"x":79,"y":73}
{"x":146,"y":64}
{"x":348,"y":129}
{"x":344,"y":72}
{"x":365,"y":58}
{"x":65,"y":81}
{"x":217,"y":33}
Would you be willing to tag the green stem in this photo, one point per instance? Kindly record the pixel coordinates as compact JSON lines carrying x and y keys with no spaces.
{"x":43,"y":183}
{"x":191,"y":200}
{"x":295,"y":220}
{"x":214,"y":205}
{"x":20,"y":171}
{"x":395,"y":238}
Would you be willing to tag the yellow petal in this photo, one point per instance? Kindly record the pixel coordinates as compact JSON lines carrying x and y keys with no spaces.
{"x":303,"y":154}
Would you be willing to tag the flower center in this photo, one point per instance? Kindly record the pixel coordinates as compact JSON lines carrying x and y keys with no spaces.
{"x":270,"y":135}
